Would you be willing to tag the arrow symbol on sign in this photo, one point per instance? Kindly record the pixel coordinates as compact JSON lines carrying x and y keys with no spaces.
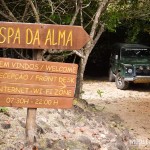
{"x":63,"y":86}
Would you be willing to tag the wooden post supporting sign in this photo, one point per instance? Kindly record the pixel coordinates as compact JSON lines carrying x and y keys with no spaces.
{"x":31,"y":116}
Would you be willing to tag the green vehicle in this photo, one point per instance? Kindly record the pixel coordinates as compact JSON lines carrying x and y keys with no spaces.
{"x":129,"y":63}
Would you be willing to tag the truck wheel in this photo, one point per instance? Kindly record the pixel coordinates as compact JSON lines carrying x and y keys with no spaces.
{"x":111,"y":76}
{"x":120,"y":83}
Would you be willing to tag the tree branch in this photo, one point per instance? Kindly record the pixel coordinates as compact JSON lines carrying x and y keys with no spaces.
{"x":75,"y":14}
{"x":37,"y":18}
{"x":48,"y":18}
{"x":101,"y":30}
{"x":102,"y":7}
{"x":6,"y":16}
{"x":58,"y":5}
{"x":25,"y":11}
{"x":78,"y":53}
{"x":9,"y":12}
{"x":20,"y":54}
{"x":51,"y":4}
{"x":92,"y":43}
{"x":81,"y":13}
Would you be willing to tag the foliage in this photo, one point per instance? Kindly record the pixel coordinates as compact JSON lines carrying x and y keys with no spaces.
{"x":99,"y":92}
{"x":3,"y":109}
{"x":132,"y":14}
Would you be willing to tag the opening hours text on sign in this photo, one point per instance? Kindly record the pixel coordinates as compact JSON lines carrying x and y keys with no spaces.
{"x":36,"y":84}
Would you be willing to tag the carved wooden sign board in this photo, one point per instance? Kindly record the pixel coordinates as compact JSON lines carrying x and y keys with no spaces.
{"x":42,"y":36}
{"x":36,"y":84}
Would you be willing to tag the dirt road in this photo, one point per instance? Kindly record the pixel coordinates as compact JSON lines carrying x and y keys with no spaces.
{"x":131,"y":107}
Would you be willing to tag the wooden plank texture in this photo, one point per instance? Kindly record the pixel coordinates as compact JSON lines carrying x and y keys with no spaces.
{"x":42,"y":36}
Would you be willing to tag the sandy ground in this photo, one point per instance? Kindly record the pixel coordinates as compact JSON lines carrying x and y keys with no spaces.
{"x":132,"y":105}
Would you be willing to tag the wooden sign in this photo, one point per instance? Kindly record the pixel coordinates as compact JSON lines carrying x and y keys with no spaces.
{"x":36,"y":84}
{"x":42,"y":36}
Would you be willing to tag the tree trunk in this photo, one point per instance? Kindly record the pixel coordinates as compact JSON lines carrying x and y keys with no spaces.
{"x":82,"y":65}
{"x":90,"y":45}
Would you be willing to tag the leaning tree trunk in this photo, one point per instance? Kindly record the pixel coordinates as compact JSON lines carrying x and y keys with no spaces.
{"x":83,"y":62}
{"x":96,"y":32}
{"x":82,"y":65}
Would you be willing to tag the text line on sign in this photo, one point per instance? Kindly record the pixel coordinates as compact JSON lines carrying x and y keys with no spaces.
{"x":41,"y":66}
{"x":28,"y":77}
{"x":35,"y":101}
{"x":42,"y":36}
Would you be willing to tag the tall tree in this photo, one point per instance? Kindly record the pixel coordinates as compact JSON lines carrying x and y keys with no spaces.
{"x":97,"y":28}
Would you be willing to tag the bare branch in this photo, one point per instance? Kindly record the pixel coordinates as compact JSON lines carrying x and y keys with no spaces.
{"x":48,"y":18}
{"x":37,"y":18}
{"x":86,"y":5}
{"x":92,"y":19}
{"x":9,"y":12}
{"x":81,"y":15}
{"x":78,"y":53}
{"x":6,"y":16}
{"x":74,"y":17}
{"x":61,"y":51}
{"x":75,"y":14}
{"x":51,"y":4}
{"x":102,"y":7}
{"x":25,"y":11}
{"x":101,"y":30}
{"x":47,"y":58}
{"x":58,"y":5}
{"x":20,"y":54}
